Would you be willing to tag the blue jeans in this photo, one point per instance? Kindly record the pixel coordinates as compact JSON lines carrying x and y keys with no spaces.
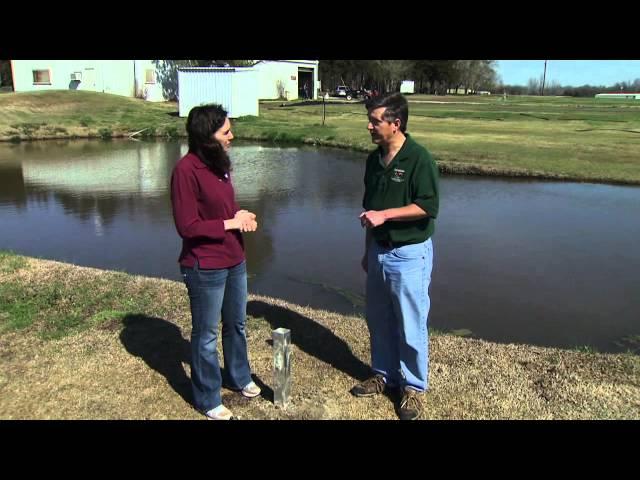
{"x":397,"y":311}
{"x":214,"y":294}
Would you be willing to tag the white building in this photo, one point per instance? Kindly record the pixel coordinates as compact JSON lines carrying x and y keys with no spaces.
{"x":287,"y":79}
{"x":623,"y":96}
{"x":154,"y":80}
{"x":235,"y":88}
{"x":129,"y":78}
{"x":407,"y":86}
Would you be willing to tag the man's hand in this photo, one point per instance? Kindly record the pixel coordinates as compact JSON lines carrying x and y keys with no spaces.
{"x":372,"y":218}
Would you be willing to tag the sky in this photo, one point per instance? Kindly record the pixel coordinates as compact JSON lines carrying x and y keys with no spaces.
{"x":569,"y":72}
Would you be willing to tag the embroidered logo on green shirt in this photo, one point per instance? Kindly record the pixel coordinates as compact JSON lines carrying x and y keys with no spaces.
{"x":397,"y":175}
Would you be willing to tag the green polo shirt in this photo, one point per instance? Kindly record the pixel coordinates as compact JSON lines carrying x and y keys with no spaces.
{"x":411,"y":177}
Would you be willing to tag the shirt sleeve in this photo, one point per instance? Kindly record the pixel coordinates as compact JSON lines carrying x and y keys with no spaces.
{"x":184,"y":201}
{"x":425,"y":185}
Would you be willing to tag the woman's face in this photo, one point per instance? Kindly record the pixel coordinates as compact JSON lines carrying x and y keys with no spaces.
{"x":224,"y":135}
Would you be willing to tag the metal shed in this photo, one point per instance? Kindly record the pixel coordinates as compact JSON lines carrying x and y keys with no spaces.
{"x":235,"y":88}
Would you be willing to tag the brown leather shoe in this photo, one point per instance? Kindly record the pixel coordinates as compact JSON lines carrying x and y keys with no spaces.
{"x":410,"y":405}
{"x":370,"y":387}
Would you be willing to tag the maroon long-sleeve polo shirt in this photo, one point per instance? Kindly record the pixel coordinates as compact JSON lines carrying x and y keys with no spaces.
{"x":201,"y":202}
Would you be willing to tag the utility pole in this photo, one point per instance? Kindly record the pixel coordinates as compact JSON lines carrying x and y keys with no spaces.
{"x":544,"y":76}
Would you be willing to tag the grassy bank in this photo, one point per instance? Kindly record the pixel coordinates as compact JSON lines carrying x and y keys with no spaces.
{"x":82,"y":343}
{"x":69,"y":114}
{"x":556,"y":138}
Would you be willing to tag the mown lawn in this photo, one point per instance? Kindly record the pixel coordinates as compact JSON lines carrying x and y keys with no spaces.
{"x":551,"y":137}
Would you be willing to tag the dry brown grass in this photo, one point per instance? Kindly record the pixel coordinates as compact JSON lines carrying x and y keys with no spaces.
{"x":137,"y":367}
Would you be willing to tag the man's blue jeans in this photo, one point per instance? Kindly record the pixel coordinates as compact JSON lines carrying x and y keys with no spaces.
{"x":397,"y":311}
{"x":214,"y":294}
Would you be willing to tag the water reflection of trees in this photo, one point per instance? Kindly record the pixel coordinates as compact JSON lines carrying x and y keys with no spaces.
{"x":12,"y":189}
{"x":289,"y":175}
{"x":100,"y":181}
{"x":79,"y":176}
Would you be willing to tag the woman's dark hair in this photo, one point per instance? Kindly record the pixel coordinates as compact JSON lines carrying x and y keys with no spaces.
{"x":202,"y":123}
{"x":396,"y":107}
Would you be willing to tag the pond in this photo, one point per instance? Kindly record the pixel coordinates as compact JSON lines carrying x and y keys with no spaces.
{"x":545,"y":263}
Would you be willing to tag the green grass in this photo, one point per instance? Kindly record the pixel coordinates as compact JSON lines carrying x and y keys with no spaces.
{"x":581,"y":139}
{"x":58,"y":308}
{"x":566,"y":138}
{"x":84,"y":114}
{"x":10,"y":262}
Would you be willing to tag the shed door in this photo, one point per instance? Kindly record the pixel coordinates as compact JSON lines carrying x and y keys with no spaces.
{"x":305,"y":83}
{"x":89,"y":79}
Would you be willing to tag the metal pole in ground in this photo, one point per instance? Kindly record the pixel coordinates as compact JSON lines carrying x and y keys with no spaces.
{"x":323,"y":109}
{"x":281,"y":366}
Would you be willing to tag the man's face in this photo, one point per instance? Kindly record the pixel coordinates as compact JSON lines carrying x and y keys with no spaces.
{"x":224,"y":135}
{"x":381,"y":130}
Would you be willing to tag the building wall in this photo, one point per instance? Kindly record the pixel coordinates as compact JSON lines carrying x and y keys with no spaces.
{"x":244,"y":93}
{"x":280,"y":78}
{"x":156,"y":80}
{"x":202,"y":86}
{"x":236,"y":89}
{"x":107,"y":76}
{"x":118,"y":77}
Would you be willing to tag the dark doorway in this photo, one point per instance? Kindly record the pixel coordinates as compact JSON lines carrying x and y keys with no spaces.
{"x":305,"y":83}
{"x":6,"y":76}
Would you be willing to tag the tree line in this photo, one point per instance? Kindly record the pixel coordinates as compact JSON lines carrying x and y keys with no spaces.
{"x":553,"y":88}
{"x":437,"y":77}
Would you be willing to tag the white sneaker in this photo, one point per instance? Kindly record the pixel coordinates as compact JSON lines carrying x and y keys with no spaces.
{"x":219,"y":413}
{"x":251,"y":390}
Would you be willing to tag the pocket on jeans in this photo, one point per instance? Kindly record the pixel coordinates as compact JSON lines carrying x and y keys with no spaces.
{"x":410,"y":252}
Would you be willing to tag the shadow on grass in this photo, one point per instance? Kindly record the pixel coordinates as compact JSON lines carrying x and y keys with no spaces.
{"x":312,"y":338}
{"x":160,"y":344}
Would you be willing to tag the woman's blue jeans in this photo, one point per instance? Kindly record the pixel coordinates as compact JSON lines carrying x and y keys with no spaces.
{"x":397,"y":311}
{"x":215,"y":294}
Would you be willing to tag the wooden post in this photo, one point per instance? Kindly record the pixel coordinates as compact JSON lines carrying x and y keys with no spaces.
{"x":281,"y":366}
{"x":323,"y":109}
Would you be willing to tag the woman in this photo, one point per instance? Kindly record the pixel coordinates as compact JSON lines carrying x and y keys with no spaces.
{"x":212,"y":260}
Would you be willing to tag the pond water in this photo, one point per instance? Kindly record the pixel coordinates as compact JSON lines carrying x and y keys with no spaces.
{"x":546,"y":263}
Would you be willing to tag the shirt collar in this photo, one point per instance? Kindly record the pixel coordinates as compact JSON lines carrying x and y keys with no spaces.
{"x":402,"y":153}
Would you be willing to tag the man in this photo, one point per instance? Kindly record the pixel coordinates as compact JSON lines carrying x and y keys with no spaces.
{"x":401,"y":203}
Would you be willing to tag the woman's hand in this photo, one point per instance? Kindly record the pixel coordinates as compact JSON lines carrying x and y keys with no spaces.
{"x":243,"y":220}
{"x":248,"y":226}
{"x":244,"y":214}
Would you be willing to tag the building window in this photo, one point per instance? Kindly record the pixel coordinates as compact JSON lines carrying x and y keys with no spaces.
{"x":41,"y":77}
{"x":150,"y":75}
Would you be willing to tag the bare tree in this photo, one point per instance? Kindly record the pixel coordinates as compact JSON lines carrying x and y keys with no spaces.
{"x":533,"y":86}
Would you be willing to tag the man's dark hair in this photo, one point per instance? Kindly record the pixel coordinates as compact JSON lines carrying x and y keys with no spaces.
{"x":202,"y":123}
{"x":396,"y":107}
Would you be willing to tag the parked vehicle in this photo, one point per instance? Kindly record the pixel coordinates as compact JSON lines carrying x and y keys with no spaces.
{"x":367,"y":94}
{"x":344,"y":91}
{"x":350,"y":93}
